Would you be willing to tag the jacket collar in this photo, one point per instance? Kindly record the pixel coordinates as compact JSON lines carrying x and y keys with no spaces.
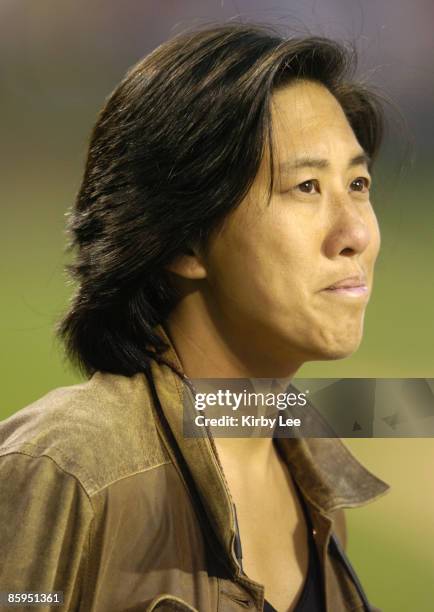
{"x":329,"y":476}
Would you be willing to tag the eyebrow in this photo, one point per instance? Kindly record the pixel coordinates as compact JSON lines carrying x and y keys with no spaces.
{"x":315,"y":162}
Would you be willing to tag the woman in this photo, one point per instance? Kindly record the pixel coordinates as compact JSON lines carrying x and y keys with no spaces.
{"x":223,"y":229}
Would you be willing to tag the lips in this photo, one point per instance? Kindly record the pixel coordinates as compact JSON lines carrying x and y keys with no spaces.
{"x":350,"y":282}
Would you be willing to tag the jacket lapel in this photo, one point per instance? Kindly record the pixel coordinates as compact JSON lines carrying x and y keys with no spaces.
{"x":198,"y":453}
{"x":329,"y":476}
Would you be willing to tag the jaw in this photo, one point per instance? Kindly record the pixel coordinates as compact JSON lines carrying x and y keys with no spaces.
{"x":326,"y":333}
{"x":340,"y":338}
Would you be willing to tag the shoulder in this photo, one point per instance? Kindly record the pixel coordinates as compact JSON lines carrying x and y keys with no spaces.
{"x":99,"y":431}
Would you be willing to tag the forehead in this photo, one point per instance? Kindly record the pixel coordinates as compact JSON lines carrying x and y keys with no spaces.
{"x":307,"y":118}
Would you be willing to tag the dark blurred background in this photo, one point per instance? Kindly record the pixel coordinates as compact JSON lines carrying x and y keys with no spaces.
{"x":59,"y":61}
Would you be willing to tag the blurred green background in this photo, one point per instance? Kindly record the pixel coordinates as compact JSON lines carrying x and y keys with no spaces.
{"x":59,"y":62}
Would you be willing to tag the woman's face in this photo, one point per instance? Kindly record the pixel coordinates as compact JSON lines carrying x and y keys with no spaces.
{"x":270,"y":266}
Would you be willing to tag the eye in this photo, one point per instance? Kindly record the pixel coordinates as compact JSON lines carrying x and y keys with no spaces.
{"x":361,"y":184}
{"x":307,"y":186}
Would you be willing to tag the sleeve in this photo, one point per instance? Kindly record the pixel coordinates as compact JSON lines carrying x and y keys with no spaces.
{"x":45,"y":520}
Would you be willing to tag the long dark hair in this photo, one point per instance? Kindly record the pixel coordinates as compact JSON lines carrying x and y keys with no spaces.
{"x":175,"y":149}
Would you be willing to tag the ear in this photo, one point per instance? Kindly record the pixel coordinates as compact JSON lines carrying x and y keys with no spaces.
{"x":188,"y":265}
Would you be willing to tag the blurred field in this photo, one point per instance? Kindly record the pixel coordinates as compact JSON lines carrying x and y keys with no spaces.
{"x":390,"y":540}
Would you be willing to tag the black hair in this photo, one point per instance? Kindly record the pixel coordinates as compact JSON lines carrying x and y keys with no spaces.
{"x":174,"y":150}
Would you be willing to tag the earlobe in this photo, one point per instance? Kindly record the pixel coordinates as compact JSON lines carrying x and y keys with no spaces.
{"x":187,"y":266}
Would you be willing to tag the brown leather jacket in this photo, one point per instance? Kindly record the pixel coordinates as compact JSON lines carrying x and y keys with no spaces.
{"x":102,"y":497}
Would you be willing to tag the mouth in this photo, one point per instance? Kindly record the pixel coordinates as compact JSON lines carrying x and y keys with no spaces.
{"x":354,"y":287}
{"x":353,"y":291}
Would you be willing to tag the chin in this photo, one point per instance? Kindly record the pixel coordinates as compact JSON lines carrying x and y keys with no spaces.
{"x":331,"y":342}
{"x":336,"y":355}
{"x":338,"y":350}
{"x":332,"y":347}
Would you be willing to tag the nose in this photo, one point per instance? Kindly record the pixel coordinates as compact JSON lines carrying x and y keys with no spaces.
{"x":349,"y":233}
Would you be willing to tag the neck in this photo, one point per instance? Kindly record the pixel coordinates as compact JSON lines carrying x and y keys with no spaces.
{"x":213,"y":346}
{"x":207,"y":349}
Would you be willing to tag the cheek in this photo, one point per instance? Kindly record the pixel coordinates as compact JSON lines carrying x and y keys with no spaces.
{"x":240,"y":274}
{"x":259,"y":272}
{"x":375,"y":242}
